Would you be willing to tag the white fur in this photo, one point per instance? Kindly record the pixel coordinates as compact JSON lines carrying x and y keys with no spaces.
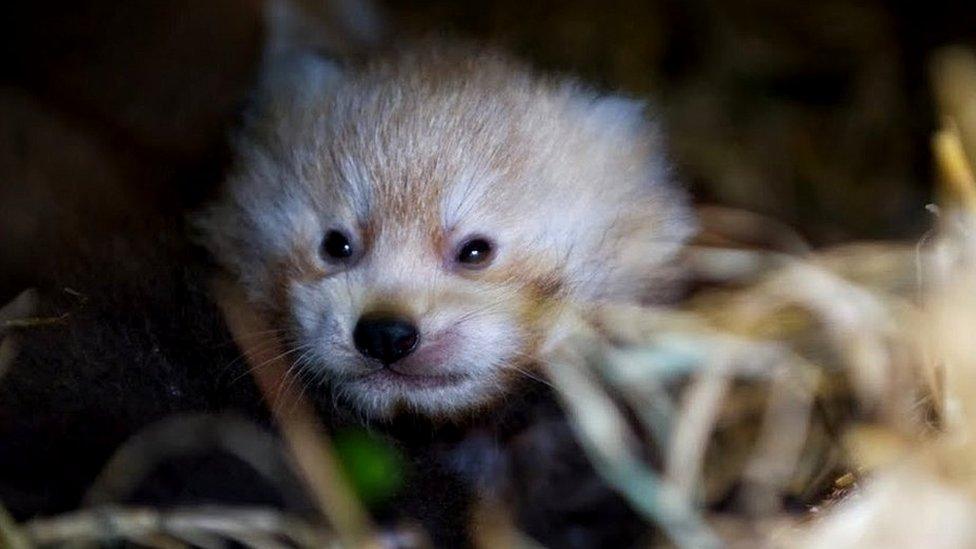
{"x":424,"y":150}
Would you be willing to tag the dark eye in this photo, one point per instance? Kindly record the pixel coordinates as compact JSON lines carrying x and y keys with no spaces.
{"x":475,"y":253}
{"x":336,"y":245}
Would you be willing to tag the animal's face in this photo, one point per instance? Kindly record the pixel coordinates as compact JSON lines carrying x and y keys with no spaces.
{"x":419,"y":227}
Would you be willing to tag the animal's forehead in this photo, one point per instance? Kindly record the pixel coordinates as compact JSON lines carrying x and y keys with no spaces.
{"x":411,"y":168}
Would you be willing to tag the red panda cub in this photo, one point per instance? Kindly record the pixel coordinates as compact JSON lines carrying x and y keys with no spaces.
{"x":417,"y":228}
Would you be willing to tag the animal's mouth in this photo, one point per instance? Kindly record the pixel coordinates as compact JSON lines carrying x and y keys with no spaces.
{"x":389,"y":378}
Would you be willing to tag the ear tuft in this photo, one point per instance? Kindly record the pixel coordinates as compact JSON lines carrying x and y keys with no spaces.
{"x":619,"y":112}
{"x":296,"y":80}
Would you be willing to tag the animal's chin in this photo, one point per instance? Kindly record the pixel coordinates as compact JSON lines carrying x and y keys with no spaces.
{"x":384,"y":393}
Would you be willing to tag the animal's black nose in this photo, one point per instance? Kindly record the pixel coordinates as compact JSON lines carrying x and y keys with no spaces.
{"x":387,"y":339}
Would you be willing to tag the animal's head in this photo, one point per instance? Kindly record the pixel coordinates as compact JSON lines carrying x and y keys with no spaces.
{"x":418,"y":225}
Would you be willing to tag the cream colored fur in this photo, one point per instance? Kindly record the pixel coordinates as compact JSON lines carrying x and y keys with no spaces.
{"x":410,"y":155}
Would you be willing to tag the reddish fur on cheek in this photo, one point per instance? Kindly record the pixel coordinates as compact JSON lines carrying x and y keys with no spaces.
{"x":540,"y":301}
{"x":299,"y":266}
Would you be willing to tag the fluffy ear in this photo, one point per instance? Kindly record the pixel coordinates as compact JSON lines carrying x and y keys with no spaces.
{"x":624,"y":116}
{"x":646,"y":263}
{"x":293,"y":83}
{"x":302,"y":37}
{"x":653,"y":218}
{"x":290,"y":99}
{"x":300,"y":34}
{"x":337,"y":27}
